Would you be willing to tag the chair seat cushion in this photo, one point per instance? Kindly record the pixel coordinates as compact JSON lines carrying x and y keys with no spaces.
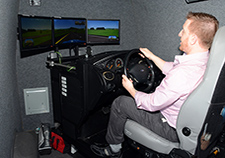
{"x":149,"y":139}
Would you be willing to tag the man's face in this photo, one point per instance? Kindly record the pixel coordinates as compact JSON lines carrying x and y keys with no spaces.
{"x":184,"y":35}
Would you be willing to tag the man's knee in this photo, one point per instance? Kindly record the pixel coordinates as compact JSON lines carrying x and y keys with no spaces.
{"x":122,"y":103}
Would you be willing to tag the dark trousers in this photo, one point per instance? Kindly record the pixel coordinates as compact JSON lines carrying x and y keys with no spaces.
{"x":124,"y":108}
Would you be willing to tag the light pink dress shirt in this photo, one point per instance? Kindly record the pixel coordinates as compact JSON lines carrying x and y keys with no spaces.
{"x":182,"y":77}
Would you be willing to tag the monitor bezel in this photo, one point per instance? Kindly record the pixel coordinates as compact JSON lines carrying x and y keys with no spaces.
{"x":30,"y":51}
{"x":68,"y":45}
{"x":104,"y":43}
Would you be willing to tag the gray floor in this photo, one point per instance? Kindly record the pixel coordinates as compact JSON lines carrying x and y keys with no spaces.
{"x":56,"y":154}
{"x":27,"y":140}
{"x":26,"y":147}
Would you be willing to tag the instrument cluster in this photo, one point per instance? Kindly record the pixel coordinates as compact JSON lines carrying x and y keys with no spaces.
{"x":114,"y":64}
{"x":111,"y":67}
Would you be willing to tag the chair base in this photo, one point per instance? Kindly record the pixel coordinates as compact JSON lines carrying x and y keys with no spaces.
{"x":145,"y":152}
{"x":148,"y":153}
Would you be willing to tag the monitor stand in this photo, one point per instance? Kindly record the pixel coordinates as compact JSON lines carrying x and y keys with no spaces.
{"x":89,"y":51}
{"x":75,"y":49}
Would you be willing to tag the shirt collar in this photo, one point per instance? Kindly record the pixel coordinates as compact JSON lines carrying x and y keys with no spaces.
{"x":184,"y":58}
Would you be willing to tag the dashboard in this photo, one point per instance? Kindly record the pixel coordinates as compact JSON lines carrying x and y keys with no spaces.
{"x":106,"y":69}
{"x":111,"y":61}
{"x":110,"y":66}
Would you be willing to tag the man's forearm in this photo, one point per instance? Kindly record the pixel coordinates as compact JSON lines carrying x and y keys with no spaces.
{"x":132,"y":92}
{"x":158,"y":62}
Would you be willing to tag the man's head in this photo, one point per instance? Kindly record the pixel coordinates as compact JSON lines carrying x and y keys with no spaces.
{"x":200,"y":28}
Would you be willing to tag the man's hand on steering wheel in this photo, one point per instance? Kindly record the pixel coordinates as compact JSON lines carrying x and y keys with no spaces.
{"x":141,"y":71}
{"x":146,"y":53}
{"x":128,"y":85}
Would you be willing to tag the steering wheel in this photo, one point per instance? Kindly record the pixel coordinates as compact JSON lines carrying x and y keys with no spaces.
{"x":140,"y":70}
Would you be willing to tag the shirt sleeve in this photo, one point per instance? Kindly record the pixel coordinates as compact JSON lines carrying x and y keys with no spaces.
{"x":168,"y":92}
{"x":167,"y":67}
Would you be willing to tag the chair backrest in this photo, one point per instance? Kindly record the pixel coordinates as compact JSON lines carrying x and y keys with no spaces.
{"x":194,"y":111}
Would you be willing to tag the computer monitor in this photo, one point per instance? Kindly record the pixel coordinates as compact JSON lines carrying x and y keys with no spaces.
{"x":69,"y":32}
{"x":35,"y":34}
{"x":103,"y":32}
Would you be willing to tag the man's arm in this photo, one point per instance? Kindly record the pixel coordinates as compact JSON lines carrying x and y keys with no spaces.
{"x":128,"y":83}
{"x":158,"y":61}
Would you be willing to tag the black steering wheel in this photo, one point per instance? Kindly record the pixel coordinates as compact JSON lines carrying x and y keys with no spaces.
{"x":140,"y":70}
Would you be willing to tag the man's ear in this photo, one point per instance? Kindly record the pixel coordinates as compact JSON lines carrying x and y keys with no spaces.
{"x":193,"y":39}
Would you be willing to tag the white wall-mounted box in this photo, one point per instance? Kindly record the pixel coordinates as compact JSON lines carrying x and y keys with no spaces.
{"x":36,"y":100}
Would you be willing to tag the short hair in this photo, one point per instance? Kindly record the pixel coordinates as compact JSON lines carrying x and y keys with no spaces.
{"x":204,"y":26}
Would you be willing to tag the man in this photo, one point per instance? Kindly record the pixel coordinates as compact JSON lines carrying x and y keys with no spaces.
{"x":158,"y":111}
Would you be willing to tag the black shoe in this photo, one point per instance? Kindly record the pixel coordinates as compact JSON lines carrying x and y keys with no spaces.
{"x":105,"y":151}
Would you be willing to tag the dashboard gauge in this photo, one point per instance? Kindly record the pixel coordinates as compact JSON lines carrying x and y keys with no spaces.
{"x":108,"y":75}
{"x":110,"y":64}
{"x":119,"y":63}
